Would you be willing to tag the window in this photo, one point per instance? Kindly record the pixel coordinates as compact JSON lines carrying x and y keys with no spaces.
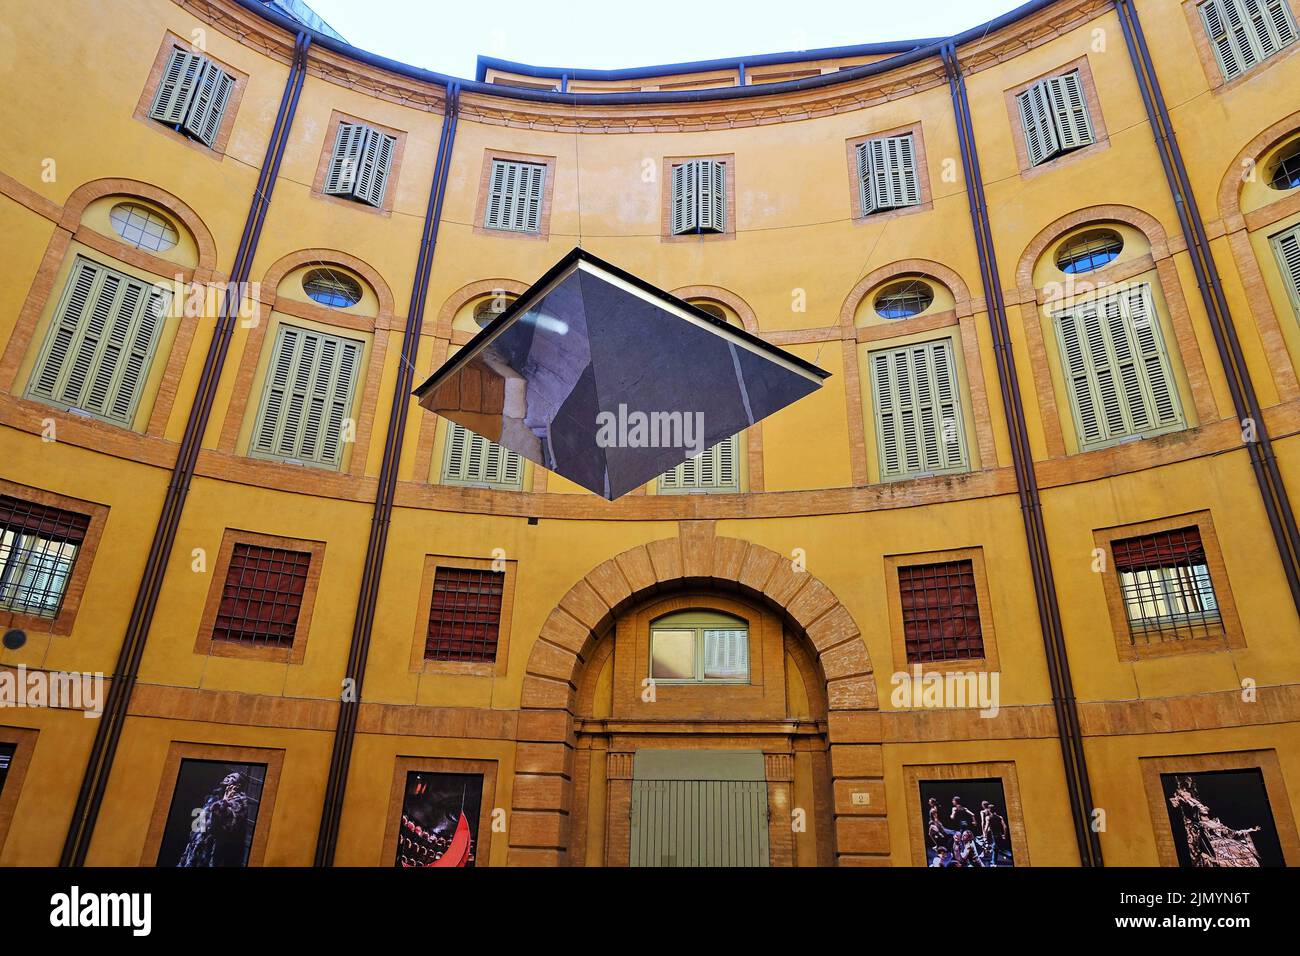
{"x":38,"y":547}
{"x":471,"y":459}
{"x":465,"y":615}
{"x":716,"y":470}
{"x":941,"y":612}
{"x":515,"y":193}
{"x":1246,"y":32}
{"x":1054,"y":117}
{"x":142,"y":227}
{"x":307,"y":398}
{"x":1165,"y":585}
{"x":1285,"y":171}
{"x":693,"y":647}
{"x":1287,"y":247}
{"x":919,"y":430}
{"x":359,"y":166}
{"x":699,"y":197}
{"x":262,"y":597}
{"x":96,"y":355}
{"x":192,"y":96}
{"x":1116,"y":368}
{"x":902,"y":300}
{"x":887,"y":174}
{"x":708,"y":308}
{"x":489,"y":309}
{"x":331,"y":287}
{"x":1089,"y":250}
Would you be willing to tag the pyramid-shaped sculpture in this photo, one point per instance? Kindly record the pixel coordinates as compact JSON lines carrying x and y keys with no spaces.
{"x":608,"y":381}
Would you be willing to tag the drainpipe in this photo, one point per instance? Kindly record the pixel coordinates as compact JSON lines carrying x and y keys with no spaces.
{"x":345,"y":731}
{"x":1244,"y":399}
{"x":741,"y":66}
{"x":109,"y":732}
{"x":1049,"y":613}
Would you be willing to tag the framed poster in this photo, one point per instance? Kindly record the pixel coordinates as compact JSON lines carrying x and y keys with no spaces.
{"x":440,"y":819}
{"x":1221,"y":818}
{"x":213,"y":814}
{"x":965,"y":823}
{"x":6,"y":758}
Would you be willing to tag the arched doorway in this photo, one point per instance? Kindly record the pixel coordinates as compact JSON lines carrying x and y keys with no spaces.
{"x":807,"y":713}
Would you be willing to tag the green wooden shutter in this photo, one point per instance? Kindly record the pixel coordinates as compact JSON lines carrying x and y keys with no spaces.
{"x":472,"y":459}
{"x":716,"y":469}
{"x":341,"y":176}
{"x":375,"y":158}
{"x":515,"y":193}
{"x":1036,"y":122}
{"x":171,"y":101}
{"x":1287,"y":247}
{"x":866,"y":178}
{"x":1271,"y":22}
{"x":211,"y":94}
{"x":887,"y":174}
{"x":1117,"y":368}
{"x":96,"y":355}
{"x":309,"y":391}
{"x":712,"y":193}
{"x":683,"y":200}
{"x":919,"y":428}
{"x":1072,"y":124}
{"x":1244,"y":32}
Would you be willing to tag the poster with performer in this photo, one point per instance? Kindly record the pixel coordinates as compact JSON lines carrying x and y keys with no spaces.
{"x":964,"y":823}
{"x":1221,"y":818}
{"x":213,"y":814}
{"x":440,"y":817}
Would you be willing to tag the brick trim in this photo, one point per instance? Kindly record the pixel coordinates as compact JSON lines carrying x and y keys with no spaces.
{"x":898,"y":643}
{"x":327,"y":153}
{"x":666,"y":198}
{"x":143,"y":105}
{"x":1101,"y":138}
{"x":484,"y":185}
{"x":922,"y":175}
{"x":424,"y":610}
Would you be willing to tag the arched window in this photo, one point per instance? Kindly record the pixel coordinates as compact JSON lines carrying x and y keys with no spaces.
{"x":1089,"y":250}
{"x":1284,"y":173}
{"x":142,"y":227}
{"x":902,"y":300}
{"x":489,"y":308}
{"x":699,"y":647}
{"x":331,"y":287}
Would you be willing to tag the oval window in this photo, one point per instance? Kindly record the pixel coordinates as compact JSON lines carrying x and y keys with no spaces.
{"x":1089,"y":250}
{"x":903,"y":300}
{"x":489,"y":309}
{"x":331,"y":288}
{"x":1285,"y":173}
{"x":142,"y":227}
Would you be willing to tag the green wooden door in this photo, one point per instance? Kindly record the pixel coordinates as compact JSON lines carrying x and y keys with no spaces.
{"x":699,"y":808}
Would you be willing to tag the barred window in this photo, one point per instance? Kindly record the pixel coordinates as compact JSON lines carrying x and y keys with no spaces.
{"x":465,"y":615}
{"x":941,"y":612}
{"x":903,"y":300}
{"x":262,"y":596}
{"x":331,"y":287}
{"x":142,"y":227}
{"x":1165,"y":584}
{"x":1285,"y":172}
{"x":38,"y":547}
{"x":1089,"y":250}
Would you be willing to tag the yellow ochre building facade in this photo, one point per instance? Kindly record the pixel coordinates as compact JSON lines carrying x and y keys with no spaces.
{"x":1052,"y":267}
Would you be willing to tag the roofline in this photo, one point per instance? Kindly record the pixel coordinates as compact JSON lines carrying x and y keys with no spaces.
{"x":658,"y":96}
{"x":486,"y":63}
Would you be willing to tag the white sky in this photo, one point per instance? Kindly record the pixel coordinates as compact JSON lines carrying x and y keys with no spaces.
{"x":447,"y":35}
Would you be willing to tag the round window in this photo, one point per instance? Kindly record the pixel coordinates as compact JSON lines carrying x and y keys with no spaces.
{"x":1285,"y":173}
{"x":332,"y":288}
{"x":489,"y":309}
{"x":903,"y":300}
{"x":710,"y":309}
{"x":1089,"y":250}
{"x":142,"y":227}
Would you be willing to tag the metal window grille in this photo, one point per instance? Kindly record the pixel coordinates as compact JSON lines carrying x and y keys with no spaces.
{"x":262,"y":596}
{"x":331,"y":288}
{"x":1089,"y":250}
{"x":38,"y":547}
{"x":904,"y":300}
{"x":1165,"y":583}
{"x":1286,"y":171}
{"x":142,"y":227}
{"x":941,"y":613}
{"x":465,"y":615}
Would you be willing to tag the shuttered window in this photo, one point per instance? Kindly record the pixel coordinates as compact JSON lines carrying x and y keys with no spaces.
{"x":716,"y":470}
{"x":919,"y":429}
{"x":1287,"y":247}
{"x":1054,"y":117}
{"x":360,"y":164}
{"x":887,"y":174}
{"x":699,"y":201}
{"x":1116,"y":368}
{"x":307,"y":398}
{"x":192,"y":95}
{"x":38,"y":547}
{"x":471,"y":459}
{"x":101,"y":340}
{"x":1246,"y":32}
{"x":514,"y":201}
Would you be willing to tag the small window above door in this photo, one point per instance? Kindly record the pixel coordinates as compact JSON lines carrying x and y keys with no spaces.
{"x":699,"y":647}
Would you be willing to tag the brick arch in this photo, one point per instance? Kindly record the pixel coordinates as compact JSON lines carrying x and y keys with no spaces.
{"x":325,"y":257}
{"x":926,"y":267}
{"x":465,"y":293}
{"x":1231,"y":184}
{"x":539,"y":827}
{"x":1143,"y":222}
{"x":86,"y":193}
{"x":718,"y":294}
